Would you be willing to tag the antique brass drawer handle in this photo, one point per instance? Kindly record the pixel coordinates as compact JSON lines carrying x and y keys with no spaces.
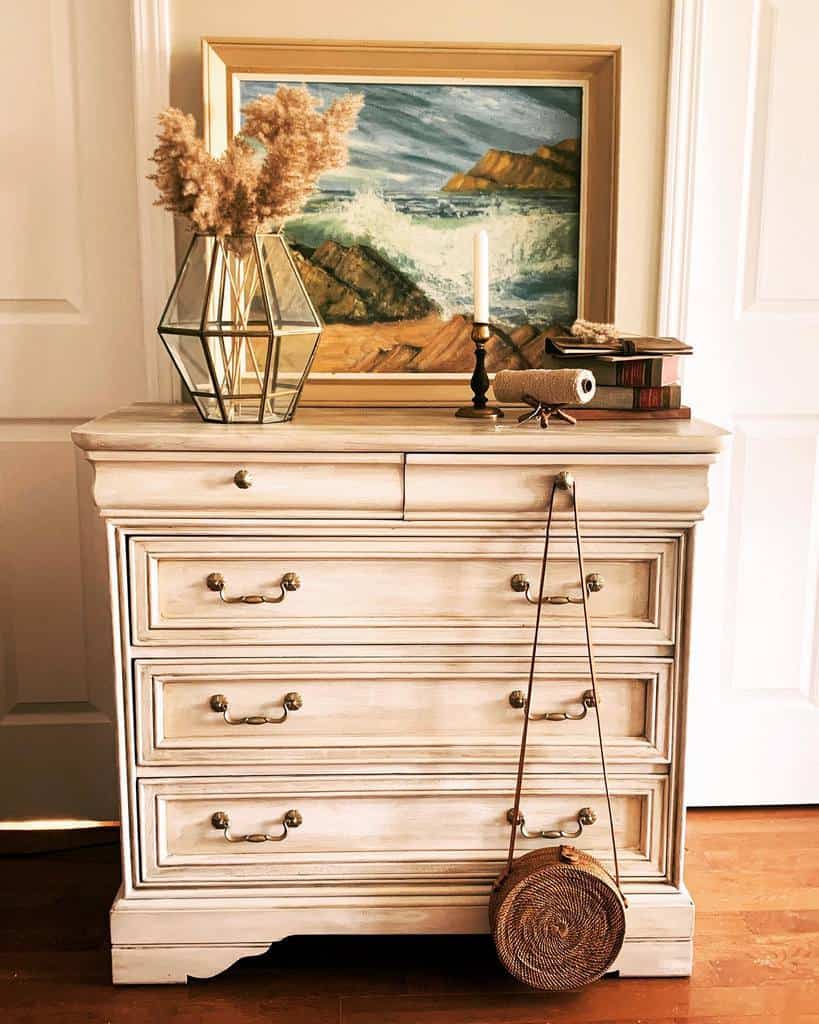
{"x":290,"y":702}
{"x":585,"y":816}
{"x":292,"y":819}
{"x":520,"y":584}
{"x":517,"y":699}
{"x":289,"y":582}
{"x":243,"y":479}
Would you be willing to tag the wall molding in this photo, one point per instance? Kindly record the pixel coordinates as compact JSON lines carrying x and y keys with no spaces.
{"x":39,"y":430}
{"x":782,"y":428}
{"x":57,"y":295}
{"x":151,"y":48}
{"x":40,"y":713}
{"x":752,"y":303}
{"x":680,"y":159}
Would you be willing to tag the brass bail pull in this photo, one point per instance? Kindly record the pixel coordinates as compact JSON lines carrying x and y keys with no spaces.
{"x":290,"y":702}
{"x":585,"y":816}
{"x":594,"y":583}
{"x":289,"y":582}
{"x":221,"y":821}
{"x":517,"y":699}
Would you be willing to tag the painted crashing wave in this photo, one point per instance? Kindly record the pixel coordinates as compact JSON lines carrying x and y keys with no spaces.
{"x":533,"y":244}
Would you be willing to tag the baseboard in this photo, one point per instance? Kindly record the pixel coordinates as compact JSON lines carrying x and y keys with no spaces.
{"x":32,"y":842}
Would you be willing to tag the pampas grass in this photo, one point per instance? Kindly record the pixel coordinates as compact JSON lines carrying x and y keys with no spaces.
{"x":590,"y":331}
{"x":236,"y":193}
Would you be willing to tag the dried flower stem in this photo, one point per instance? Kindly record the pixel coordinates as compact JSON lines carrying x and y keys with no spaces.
{"x":237,"y":194}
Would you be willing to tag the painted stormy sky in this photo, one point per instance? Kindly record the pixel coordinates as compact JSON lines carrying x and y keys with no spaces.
{"x":413,"y":138}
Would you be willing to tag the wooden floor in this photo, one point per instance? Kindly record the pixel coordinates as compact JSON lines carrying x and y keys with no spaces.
{"x":753,"y":873}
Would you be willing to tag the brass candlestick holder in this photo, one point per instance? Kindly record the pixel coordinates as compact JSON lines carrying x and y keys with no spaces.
{"x":479,"y":382}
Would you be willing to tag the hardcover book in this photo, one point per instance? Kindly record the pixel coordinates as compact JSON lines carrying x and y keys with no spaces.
{"x":668,"y":396}
{"x":625,"y":348}
{"x":642,"y":373}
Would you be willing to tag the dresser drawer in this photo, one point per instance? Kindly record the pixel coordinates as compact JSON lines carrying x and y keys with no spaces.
{"x":382,"y":828}
{"x":410,"y":589}
{"x":506,"y":486}
{"x":276,"y":485}
{"x":346,"y":713}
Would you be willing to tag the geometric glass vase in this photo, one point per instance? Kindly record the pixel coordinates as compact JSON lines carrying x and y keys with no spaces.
{"x":241,"y":329}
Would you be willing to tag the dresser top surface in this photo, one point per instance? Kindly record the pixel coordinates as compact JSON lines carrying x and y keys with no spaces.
{"x":170,"y":428}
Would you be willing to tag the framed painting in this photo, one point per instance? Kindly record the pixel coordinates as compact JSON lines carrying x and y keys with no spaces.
{"x":520,"y":141}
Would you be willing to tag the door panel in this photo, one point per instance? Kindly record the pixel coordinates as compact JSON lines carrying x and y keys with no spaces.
{"x":751,"y":310}
{"x":70,"y":348}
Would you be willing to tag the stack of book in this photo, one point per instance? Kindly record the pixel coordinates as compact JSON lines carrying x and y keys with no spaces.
{"x":635,"y":376}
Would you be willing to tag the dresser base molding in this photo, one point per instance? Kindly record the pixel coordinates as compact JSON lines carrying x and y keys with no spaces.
{"x":160,"y":941}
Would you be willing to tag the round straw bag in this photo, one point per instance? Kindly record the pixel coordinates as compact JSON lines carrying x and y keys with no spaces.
{"x":557,"y":916}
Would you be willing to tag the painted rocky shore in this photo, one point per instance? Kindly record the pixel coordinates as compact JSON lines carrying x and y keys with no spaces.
{"x":380,"y":321}
{"x":383,"y":323}
{"x":548,"y":169}
{"x":355,"y":284}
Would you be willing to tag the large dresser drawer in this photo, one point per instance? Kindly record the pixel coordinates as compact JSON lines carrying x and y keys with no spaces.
{"x":380,"y":828}
{"x":279,"y":485}
{"x":407,"y":716}
{"x":410,"y":589}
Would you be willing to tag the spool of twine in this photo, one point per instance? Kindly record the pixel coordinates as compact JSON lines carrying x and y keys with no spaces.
{"x":557,"y":918}
{"x":551,"y":387}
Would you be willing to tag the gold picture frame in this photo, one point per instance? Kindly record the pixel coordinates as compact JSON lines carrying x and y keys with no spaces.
{"x":596,"y":69}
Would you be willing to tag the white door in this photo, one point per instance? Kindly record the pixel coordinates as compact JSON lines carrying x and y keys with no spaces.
{"x":71,"y":347}
{"x":746,"y":288}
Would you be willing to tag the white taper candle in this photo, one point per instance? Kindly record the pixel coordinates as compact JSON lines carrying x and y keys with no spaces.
{"x":480,"y":254}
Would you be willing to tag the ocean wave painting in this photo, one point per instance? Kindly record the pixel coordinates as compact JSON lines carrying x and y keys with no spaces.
{"x":385,"y":245}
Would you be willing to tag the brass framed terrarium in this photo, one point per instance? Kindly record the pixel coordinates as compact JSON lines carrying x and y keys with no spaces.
{"x":240,"y":328}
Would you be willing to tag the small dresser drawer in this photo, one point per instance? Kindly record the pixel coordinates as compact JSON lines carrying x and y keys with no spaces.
{"x":277,"y":485}
{"x":380,"y":828}
{"x":396,"y":589}
{"x":407,"y":716}
{"x":515,"y":487}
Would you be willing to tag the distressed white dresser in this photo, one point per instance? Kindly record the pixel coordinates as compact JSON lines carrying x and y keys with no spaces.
{"x":318,"y":648}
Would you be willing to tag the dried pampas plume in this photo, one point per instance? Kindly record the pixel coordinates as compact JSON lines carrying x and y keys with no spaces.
{"x":590,"y":331}
{"x":237,"y":194}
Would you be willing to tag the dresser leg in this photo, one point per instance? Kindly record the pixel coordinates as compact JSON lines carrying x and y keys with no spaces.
{"x":168,"y":965}
{"x":655,"y":958}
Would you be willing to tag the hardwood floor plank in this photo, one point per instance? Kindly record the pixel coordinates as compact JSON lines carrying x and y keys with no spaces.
{"x":610,"y":1002}
{"x":756,"y":952}
{"x":778,"y":922}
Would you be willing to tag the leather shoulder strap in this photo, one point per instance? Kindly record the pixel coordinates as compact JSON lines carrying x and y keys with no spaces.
{"x":592,"y":672}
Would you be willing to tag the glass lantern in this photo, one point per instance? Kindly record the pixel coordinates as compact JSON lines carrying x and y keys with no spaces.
{"x":241,"y":329}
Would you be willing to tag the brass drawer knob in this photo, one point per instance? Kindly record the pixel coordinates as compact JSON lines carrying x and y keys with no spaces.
{"x":595,"y":582}
{"x":221,"y":821}
{"x":289,"y":582}
{"x":517,"y":699}
{"x":564,"y":480}
{"x":290,"y":702}
{"x":585,"y":816}
{"x":521,"y":585}
{"x":243,"y":479}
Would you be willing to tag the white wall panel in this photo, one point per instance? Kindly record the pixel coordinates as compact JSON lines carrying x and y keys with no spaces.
{"x":750,"y":311}
{"x":41,"y":259}
{"x":71,"y":346}
{"x":782,"y":260}
{"x":774,"y":570}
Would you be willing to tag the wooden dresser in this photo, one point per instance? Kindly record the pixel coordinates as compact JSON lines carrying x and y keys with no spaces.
{"x":340,"y":756}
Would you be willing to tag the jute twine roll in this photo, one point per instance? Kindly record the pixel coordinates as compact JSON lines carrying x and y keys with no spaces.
{"x":557,"y":918}
{"x":552,"y":387}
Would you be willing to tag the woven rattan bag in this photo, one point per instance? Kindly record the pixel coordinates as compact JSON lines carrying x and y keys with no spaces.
{"x":557,"y":915}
